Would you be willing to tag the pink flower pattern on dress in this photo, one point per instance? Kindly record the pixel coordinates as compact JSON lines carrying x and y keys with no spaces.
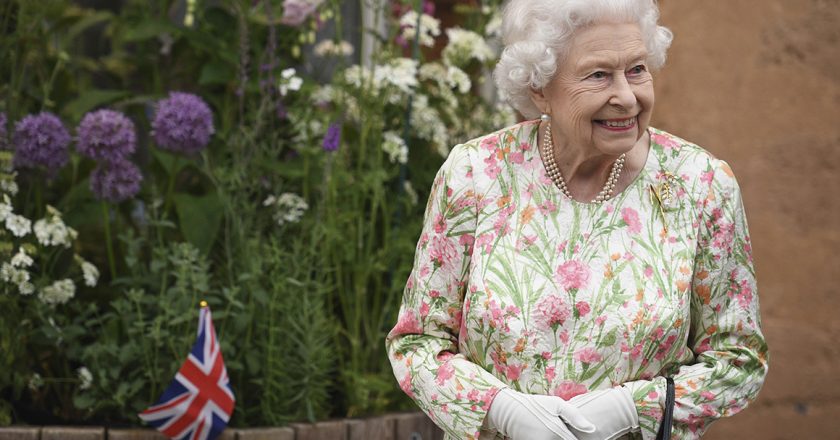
{"x":573,"y":275}
{"x":520,"y":287}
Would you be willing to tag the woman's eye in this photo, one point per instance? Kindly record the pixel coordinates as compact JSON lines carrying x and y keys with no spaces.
{"x":637,"y":70}
{"x":598,"y":75}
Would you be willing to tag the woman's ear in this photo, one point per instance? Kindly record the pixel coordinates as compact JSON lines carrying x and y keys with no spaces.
{"x":539,"y":99}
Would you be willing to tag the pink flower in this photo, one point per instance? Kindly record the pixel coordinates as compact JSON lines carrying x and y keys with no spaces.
{"x":707,"y":176}
{"x":514,"y":371}
{"x":572,"y":275}
{"x":296,"y":11}
{"x":648,"y":271}
{"x":582,"y":308}
{"x":568,"y":389}
{"x":666,"y":142}
{"x":631,"y":218}
{"x":444,"y":373}
{"x":442,"y":251}
{"x":490,"y":143}
{"x":492,"y":169}
{"x":440,"y":224}
{"x":407,"y":324}
{"x":405,"y":385}
{"x":549,"y":374}
{"x":708,"y":395}
{"x":588,"y":355}
{"x":424,"y":309}
{"x":517,"y":157}
{"x":553,"y":311}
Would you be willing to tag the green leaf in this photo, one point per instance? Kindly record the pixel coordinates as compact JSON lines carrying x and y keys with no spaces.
{"x":148,"y":29}
{"x":200,"y":218}
{"x":76,"y":108}
{"x":216,"y":72}
{"x":609,"y":339}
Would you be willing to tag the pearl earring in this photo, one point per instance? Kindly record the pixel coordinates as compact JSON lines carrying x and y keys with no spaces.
{"x":545,"y":117}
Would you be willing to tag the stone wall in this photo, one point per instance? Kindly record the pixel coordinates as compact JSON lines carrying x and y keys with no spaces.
{"x":757,"y":82}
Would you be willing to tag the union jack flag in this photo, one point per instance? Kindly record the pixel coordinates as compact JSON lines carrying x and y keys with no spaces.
{"x":198,"y":403}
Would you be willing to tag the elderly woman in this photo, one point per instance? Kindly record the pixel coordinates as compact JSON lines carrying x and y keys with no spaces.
{"x":572,"y":265}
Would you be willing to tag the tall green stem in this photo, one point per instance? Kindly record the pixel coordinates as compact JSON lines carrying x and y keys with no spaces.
{"x":107,"y":222}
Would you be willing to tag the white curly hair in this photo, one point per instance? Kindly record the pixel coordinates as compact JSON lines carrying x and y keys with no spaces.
{"x":537,"y":33}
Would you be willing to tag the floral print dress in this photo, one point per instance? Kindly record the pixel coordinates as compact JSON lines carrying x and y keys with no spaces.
{"x":515,"y":285}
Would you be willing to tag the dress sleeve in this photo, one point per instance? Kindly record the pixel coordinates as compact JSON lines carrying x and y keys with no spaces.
{"x":423,"y":346}
{"x":731,"y":355}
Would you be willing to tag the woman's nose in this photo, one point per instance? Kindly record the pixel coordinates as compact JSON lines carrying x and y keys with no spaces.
{"x":622,"y":93}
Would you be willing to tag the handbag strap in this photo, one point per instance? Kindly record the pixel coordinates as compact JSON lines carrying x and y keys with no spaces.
{"x":668,"y":415}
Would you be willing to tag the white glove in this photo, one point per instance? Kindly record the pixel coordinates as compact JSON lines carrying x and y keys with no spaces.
{"x":612,"y":411}
{"x":535,"y":417}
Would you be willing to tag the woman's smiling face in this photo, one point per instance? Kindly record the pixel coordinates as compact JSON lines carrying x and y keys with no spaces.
{"x":601,"y":97}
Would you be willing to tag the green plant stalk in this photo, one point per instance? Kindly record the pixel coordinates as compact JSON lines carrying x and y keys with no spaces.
{"x":170,"y":187}
{"x":107,"y":223}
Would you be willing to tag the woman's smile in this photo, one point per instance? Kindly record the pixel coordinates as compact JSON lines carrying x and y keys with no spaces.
{"x":618,"y":125}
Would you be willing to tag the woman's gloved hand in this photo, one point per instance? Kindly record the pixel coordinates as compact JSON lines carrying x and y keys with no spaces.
{"x":535,"y":417}
{"x":612,"y":411}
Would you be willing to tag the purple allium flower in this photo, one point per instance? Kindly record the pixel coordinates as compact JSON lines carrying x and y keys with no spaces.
{"x":41,"y":140}
{"x":183,"y":123}
{"x":333,"y":137}
{"x":115,"y":181}
{"x":106,"y":135}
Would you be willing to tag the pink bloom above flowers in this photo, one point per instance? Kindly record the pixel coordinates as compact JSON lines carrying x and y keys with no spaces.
{"x":572,"y":274}
{"x":588,"y":355}
{"x":631,"y":218}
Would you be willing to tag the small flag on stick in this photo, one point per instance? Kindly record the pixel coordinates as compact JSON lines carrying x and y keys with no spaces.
{"x":198,"y":403}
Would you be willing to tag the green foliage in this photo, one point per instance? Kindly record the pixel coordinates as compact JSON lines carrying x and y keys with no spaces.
{"x":302,"y":253}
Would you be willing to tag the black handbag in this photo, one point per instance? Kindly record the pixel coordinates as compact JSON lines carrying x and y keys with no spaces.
{"x":668,"y":416}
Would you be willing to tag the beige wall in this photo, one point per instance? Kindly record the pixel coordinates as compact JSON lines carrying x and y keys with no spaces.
{"x":757,"y":82}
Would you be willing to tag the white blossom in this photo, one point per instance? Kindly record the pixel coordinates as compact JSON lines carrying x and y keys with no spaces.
{"x":394,"y":145}
{"x":411,"y":192}
{"x":21,"y":259}
{"x":427,"y":124}
{"x":18,"y":225}
{"x":329,"y":48}
{"x":494,"y":26}
{"x":9,"y":185}
{"x":399,"y":72}
{"x":289,"y":207}
{"x":58,"y":292}
{"x":26,"y":288}
{"x":85,"y":378}
{"x":465,"y":46}
{"x":5,"y":209}
{"x":429,"y":28}
{"x":51,"y":230}
{"x":35,"y":382}
{"x":458,"y":79}
{"x":89,"y":272}
{"x":289,"y":81}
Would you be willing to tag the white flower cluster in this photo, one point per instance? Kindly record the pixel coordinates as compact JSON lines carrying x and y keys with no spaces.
{"x":58,"y":292}
{"x":465,"y":46}
{"x":289,"y":207}
{"x":394,"y":145}
{"x":289,"y":81}
{"x":427,"y":124}
{"x":399,"y":72}
{"x":449,"y":76}
{"x":18,"y":225}
{"x":330,"y":48}
{"x":14,"y":272}
{"x":429,"y":28}
{"x":85,"y":378}
{"x":89,"y":272}
{"x":51,"y":230}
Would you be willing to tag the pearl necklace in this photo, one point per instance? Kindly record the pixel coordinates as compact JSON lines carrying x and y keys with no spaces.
{"x":554,"y":172}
